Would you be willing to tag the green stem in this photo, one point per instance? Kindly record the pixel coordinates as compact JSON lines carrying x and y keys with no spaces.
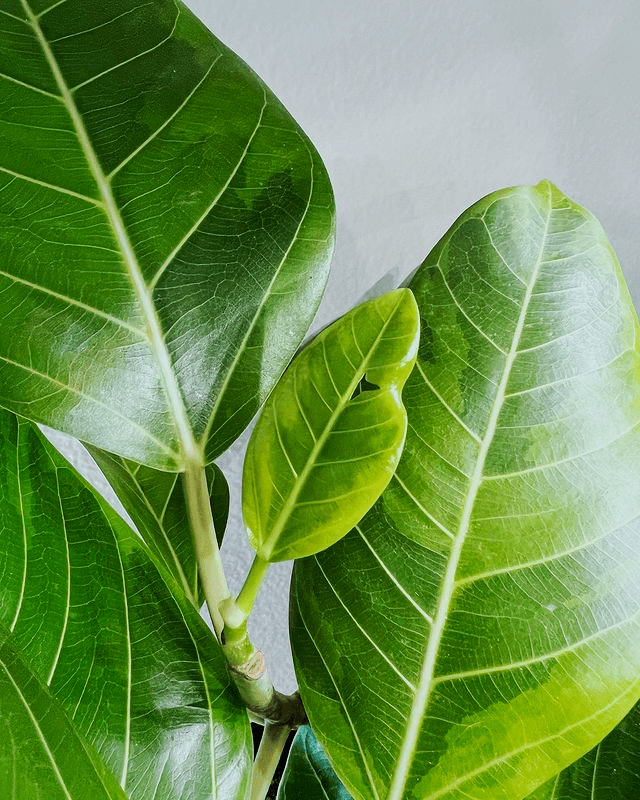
{"x":230,"y":618}
{"x":249,"y":673}
{"x":272,"y":744}
{"x":252,"y":584}
{"x":210,"y":568}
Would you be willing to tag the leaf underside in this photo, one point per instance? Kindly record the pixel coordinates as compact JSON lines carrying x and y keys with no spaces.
{"x":308,"y":773}
{"x":478,"y":631}
{"x":165,"y":229}
{"x":102,"y":648}
{"x":323,"y":451}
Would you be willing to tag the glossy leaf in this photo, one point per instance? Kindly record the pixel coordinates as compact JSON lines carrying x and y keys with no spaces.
{"x":319,"y":457}
{"x":611,"y":771}
{"x":41,"y":756}
{"x":479,"y":630}
{"x":156,"y":503}
{"x":115,"y":643}
{"x":308,"y":773}
{"x":165,"y":229}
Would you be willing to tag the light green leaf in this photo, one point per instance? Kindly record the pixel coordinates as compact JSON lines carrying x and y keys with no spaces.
{"x":115,"y":643}
{"x":156,"y":503}
{"x":611,"y":771}
{"x":308,"y":773}
{"x":41,"y":756}
{"x":479,"y":630}
{"x":165,"y":229}
{"x":319,"y":457}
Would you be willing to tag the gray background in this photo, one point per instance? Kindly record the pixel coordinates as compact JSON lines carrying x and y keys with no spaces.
{"x":421,"y":108}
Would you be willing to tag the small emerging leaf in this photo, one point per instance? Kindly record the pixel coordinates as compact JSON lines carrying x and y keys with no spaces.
{"x":319,"y":457}
{"x":308,"y":773}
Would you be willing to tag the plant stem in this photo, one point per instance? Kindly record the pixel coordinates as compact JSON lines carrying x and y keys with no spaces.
{"x":252,"y":584}
{"x":229,"y":618}
{"x":249,"y":673}
{"x":272,"y":744}
{"x":210,"y":568}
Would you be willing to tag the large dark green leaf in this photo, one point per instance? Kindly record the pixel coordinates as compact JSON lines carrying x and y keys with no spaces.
{"x":319,"y":456}
{"x":479,"y":630}
{"x":308,"y":773}
{"x":137,"y":671}
{"x":165,"y":229}
{"x":156,"y":503}
{"x":611,"y":771}
{"x":41,"y":756}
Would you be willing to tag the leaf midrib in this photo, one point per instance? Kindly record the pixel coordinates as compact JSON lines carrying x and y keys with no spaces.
{"x":127,"y":624}
{"x":190,"y":451}
{"x":448,"y":584}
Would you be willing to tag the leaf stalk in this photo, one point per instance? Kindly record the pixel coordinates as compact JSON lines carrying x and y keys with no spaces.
{"x":252,"y":584}
{"x":249,"y":673}
{"x":246,"y":663}
{"x":212,"y":575}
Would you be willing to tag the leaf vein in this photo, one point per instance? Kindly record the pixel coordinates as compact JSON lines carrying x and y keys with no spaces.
{"x":527,"y":662}
{"x":154,"y":281}
{"x":85,"y":396}
{"x":445,"y":405}
{"x":567,"y":460}
{"x":18,"y":82}
{"x":169,"y":119}
{"x":464,"y":313}
{"x":39,"y":732}
{"x":530,"y":745}
{"x":429,"y":516}
{"x":393,"y":578}
{"x":133,"y":58}
{"x":378,"y":649}
{"x":54,"y":187}
{"x":342,"y":705}
{"x":67,"y":605}
{"x":73,"y":302}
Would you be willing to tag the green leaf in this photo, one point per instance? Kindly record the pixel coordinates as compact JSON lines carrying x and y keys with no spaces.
{"x":479,"y":630}
{"x":319,"y":457}
{"x":308,"y":773}
{"x":156,"y":503}
{"x":611,"y":771}
{"x":41,"y":756}
{"x":109,"y":637}
{"x":165,"y":229}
